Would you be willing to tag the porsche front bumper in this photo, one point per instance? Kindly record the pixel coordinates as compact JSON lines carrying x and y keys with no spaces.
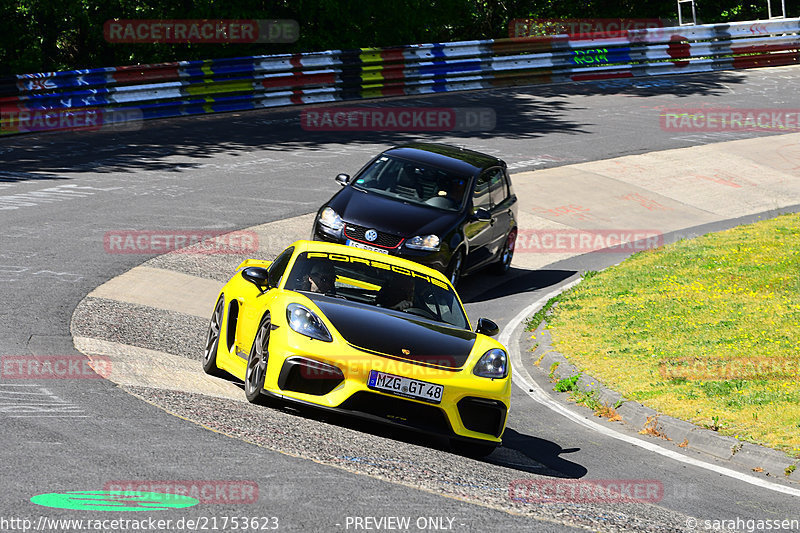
{"x":335,"y":376}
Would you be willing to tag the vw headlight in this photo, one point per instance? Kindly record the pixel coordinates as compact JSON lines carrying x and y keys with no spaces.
{"x":306,"y":323}
{"x":331,"y":222}
{"x":424,"y":242}
{"x":493,"y":364}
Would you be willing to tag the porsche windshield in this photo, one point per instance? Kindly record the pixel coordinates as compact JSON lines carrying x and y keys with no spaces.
{"x":414,"y":182}
{"x":376,"y":283}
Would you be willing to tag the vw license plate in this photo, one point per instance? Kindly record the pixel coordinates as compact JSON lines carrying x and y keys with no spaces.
{"x":355,"y":244}
{"x":406,"y":387}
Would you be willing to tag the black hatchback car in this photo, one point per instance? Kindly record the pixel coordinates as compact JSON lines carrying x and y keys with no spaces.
{"x":443,"y":206}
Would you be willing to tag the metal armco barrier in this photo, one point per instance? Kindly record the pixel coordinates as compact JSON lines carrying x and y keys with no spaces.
{"x":115,"y":95}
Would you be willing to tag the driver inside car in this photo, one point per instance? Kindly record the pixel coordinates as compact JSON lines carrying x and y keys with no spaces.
{"x":323,"y":278}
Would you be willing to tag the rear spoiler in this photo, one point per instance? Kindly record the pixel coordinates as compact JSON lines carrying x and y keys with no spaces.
{"x":253,"y":262}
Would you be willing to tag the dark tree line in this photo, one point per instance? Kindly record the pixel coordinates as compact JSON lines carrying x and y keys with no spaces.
{"x":45,"y":35}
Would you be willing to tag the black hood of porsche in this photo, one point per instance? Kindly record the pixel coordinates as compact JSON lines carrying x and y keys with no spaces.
{"x":391,"y":215}
{"x":385,"y":333}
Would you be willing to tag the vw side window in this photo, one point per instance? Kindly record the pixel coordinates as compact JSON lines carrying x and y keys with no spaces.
{"x":497,"y":186}
{"x":481,"y":197}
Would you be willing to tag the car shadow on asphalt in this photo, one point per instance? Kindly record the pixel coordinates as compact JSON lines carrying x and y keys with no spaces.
{"x":536,"y":456}
{"x":482,"y":286}
{"x":519,"y":452}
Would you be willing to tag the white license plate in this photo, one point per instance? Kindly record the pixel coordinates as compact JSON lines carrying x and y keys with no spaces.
{"x":406,"y":387}
{"x":354,"y":244}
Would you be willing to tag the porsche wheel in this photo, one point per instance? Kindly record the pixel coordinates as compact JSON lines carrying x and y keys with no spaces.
{"x":212,"y":340}
{"x":507,"y":254}
{"x":455,"y":267}
{"x":257,"y":361}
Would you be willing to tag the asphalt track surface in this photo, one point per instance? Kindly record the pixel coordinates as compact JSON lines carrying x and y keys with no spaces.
{"x":239,"y":170}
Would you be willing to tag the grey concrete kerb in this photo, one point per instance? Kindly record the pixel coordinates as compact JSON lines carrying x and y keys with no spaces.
{"x":538,"y":352}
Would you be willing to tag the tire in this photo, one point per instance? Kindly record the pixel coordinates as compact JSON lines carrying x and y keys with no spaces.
{"x":506,"y":254}
{"x":475,"y":450}
{"x":257,"y":361}
{"x":212,"y":340}
{"x":455,"y":268}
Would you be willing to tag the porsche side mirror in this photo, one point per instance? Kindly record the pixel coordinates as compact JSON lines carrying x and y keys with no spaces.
{"x":487,"y":327}
{"x":257,"y":276}
{"x":343,"y":179}
{"x":482,"y":214}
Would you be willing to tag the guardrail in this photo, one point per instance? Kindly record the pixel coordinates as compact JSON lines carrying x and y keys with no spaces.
{"x":114,"y":95}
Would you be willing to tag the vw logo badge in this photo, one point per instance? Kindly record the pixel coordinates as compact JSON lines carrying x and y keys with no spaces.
{"x":371,"y":235}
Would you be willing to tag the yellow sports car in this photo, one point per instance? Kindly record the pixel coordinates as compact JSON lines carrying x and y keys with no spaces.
{"x":363,"y":333}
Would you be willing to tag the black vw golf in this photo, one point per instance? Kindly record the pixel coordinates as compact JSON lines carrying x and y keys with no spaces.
{"x":443,"y":206}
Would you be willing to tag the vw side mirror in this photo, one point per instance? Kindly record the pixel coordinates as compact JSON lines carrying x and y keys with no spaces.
{"x":482,"y":214}
{"x":343,"y":179}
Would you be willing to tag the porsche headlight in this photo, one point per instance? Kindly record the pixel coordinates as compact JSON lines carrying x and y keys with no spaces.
{"x":306,"y":323}
{"x":493,"y":364}
{"x":424,"y":242}
{"x":331,"y":222}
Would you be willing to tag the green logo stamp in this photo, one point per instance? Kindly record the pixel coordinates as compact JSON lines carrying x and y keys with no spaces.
{"x":109,"y":500}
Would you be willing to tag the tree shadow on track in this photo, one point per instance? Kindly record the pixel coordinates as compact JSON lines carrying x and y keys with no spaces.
{"x":11,"y":177}
{"x":679,"y":85}
{"x":187,"y":143}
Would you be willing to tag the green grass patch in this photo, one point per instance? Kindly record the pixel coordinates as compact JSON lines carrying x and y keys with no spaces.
{"x":553,"y":369}
{"x":533,"y":322}
{"x":587,"y":398}
{"x":707,"y":330}
{"x":567,"y":384}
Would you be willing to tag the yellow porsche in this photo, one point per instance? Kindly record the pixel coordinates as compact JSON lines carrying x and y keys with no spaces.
{"x":363,"y":333}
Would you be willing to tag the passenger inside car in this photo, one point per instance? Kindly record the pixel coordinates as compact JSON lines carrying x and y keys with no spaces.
{"x":397,"y":294}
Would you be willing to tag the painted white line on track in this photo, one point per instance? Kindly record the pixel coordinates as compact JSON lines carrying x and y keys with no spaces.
{"x":523,"y":380}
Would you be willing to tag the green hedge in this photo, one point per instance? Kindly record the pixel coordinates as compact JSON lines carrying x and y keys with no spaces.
{"x":45,"y":35}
